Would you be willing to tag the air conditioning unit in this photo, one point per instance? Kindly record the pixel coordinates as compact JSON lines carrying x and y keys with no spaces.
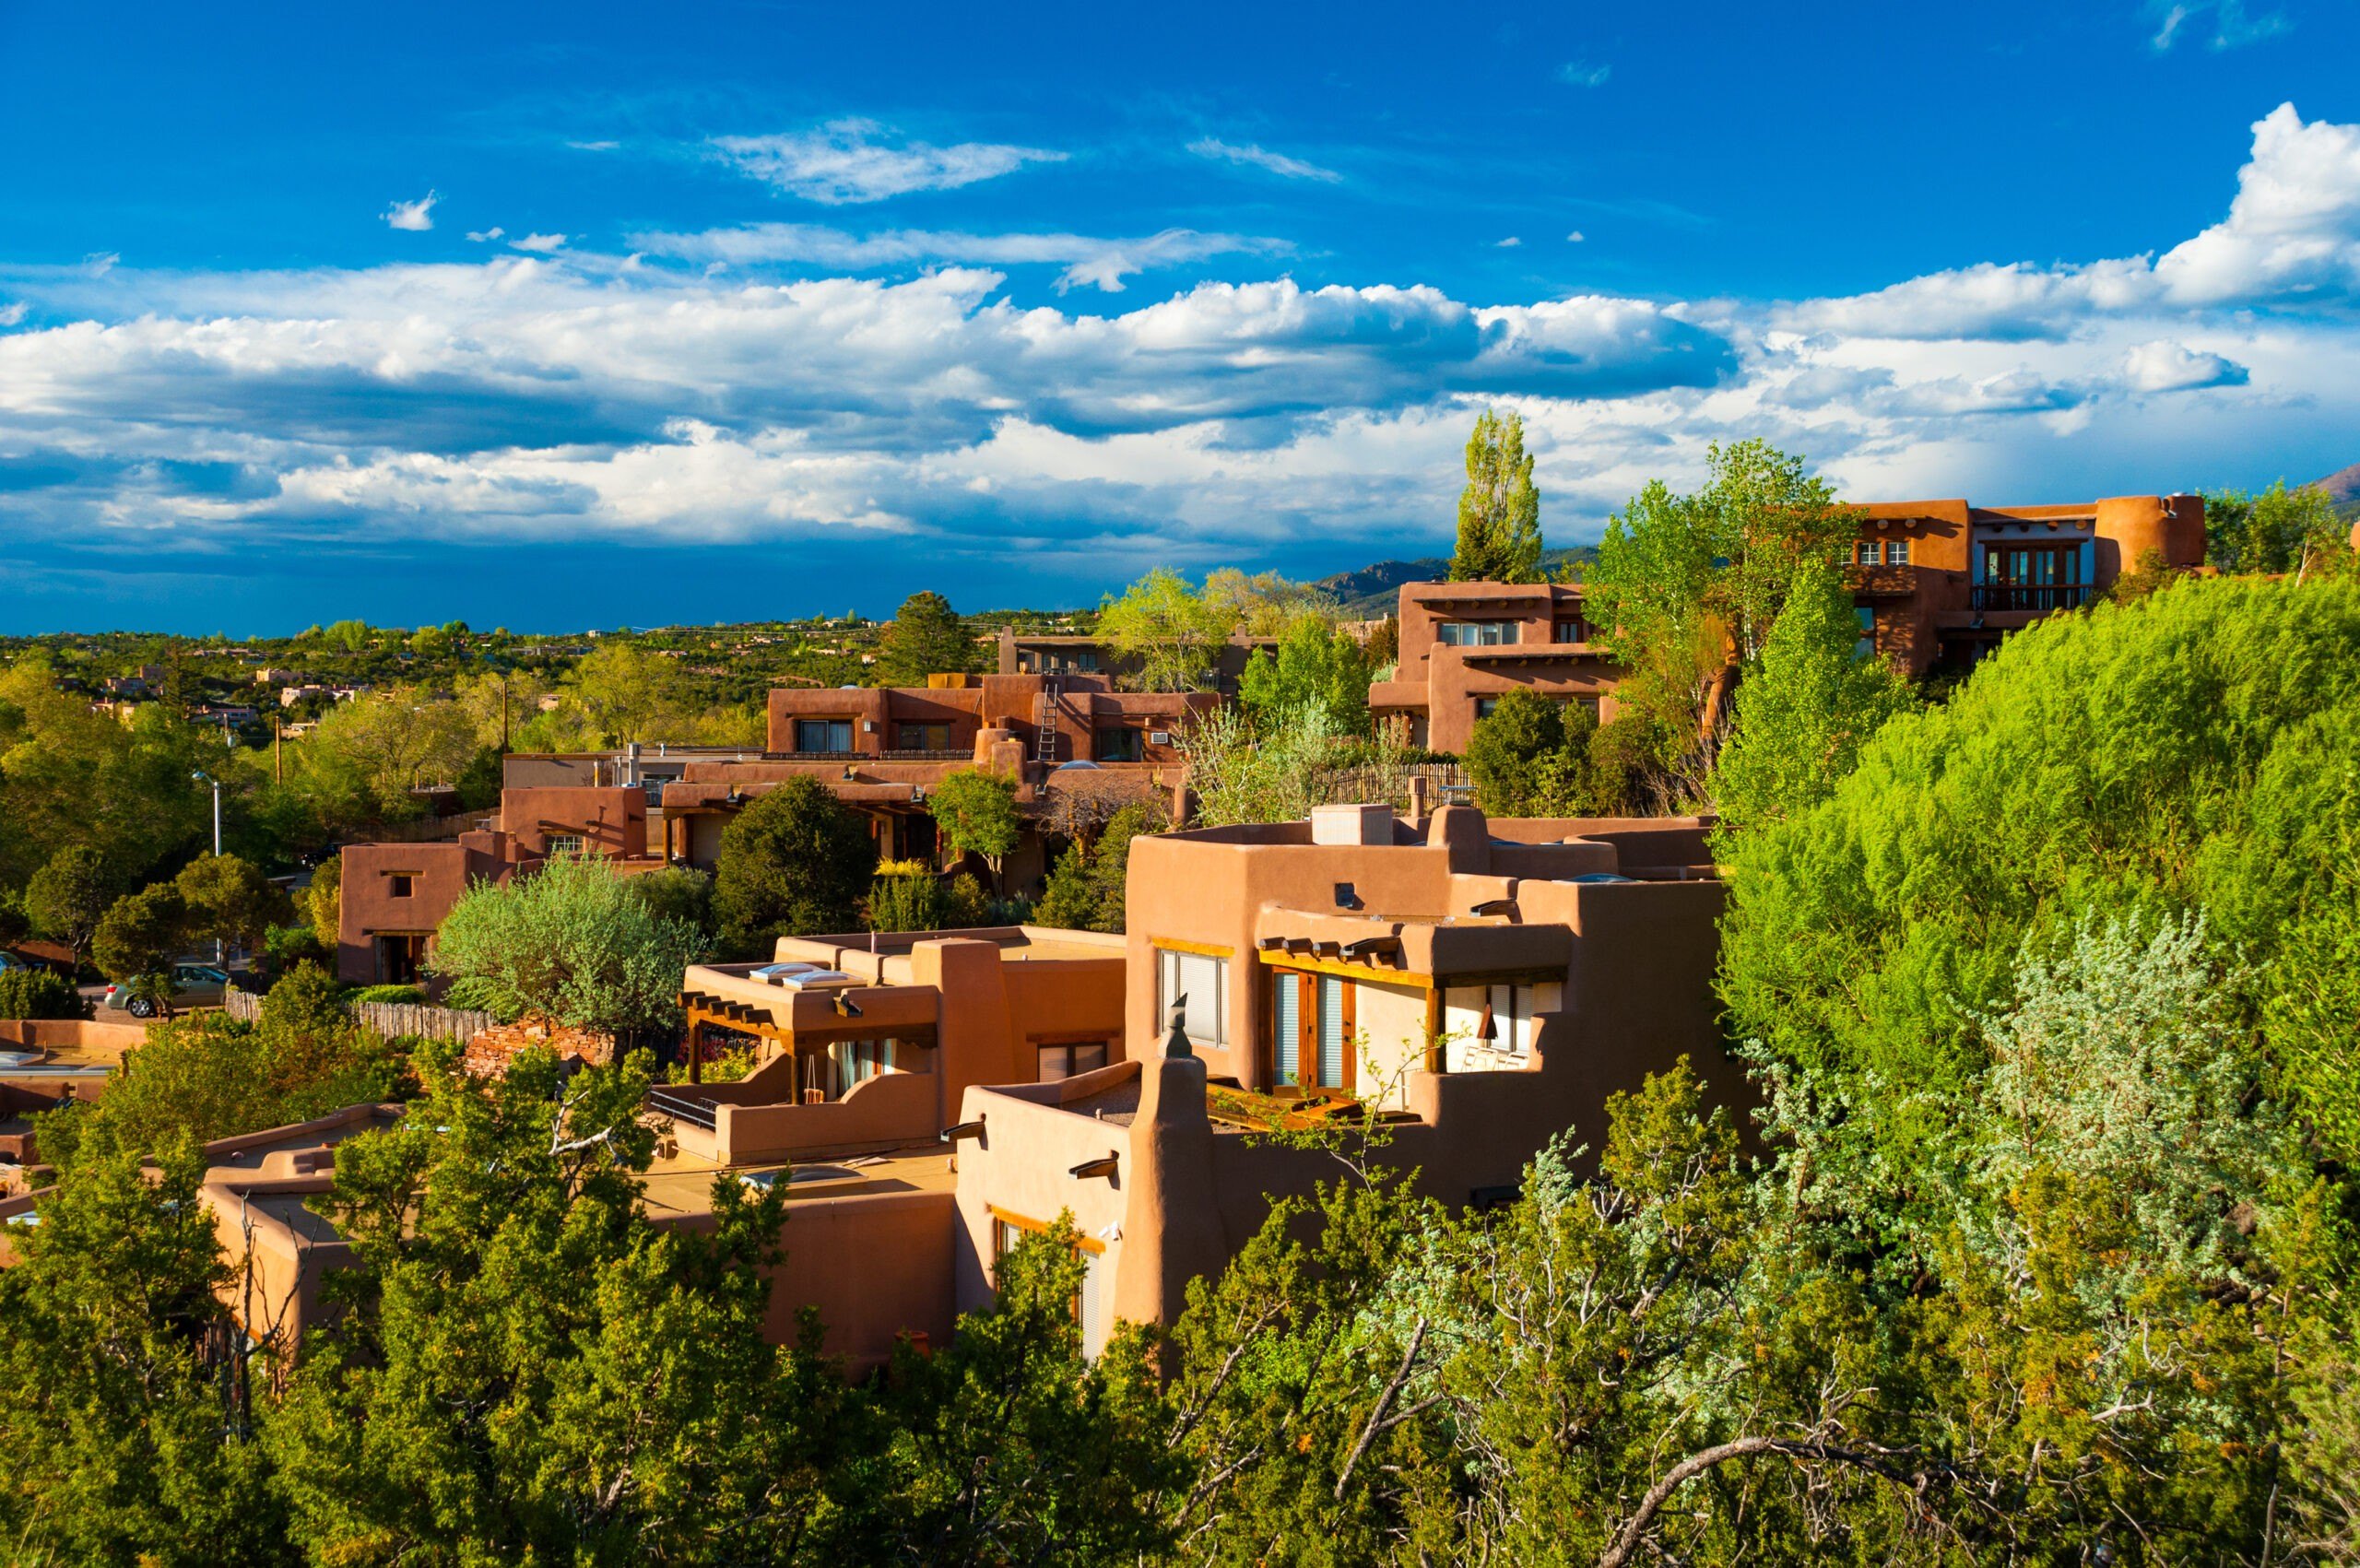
{"x":1159,"y":737}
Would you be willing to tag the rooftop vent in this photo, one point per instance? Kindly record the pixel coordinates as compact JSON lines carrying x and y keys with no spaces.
{"x":1352,"y":824}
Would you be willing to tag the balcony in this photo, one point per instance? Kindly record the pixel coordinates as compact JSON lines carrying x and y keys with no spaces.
{"x":2034,"y":597}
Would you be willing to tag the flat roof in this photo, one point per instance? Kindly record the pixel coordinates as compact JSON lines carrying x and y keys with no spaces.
{"x":681,"y":1186}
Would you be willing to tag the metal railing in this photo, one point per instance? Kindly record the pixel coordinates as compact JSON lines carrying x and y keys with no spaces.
{"x":681,"y":1105}
{"x":2031,"y":595}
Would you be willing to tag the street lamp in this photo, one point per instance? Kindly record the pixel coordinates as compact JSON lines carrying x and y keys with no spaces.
{"x":201,"y":776}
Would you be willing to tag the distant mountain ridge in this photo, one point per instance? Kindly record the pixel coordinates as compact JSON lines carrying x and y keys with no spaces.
{"x":1376,"y":591}
{"x":2343,"y":486}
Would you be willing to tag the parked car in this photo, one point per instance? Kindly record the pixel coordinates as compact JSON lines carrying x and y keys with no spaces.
{"x":194,"y":986}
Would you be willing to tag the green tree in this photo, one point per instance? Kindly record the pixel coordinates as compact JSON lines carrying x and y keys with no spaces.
{"x":1086,"y":887}
{"x":1007,"y":1445}
{"x":528,"y":1369}
{"x":369,"y":755}
{"x":1499,"y":511}
{"x":1802,"y":717}
{"x":1264,"y":604}
{"x":1316,"y":662}
{"x":141,"y":934}
{"x":230,"y":900}
{"x":1529,"y":757}
{"x":2195,"y":750}
{"x":130,"y":1392}
{"x":14,"y":924}
{"x":1687,"y":586}
{"x":1169,"y":628}
{"x":976,"y":812}
{"x":797,"y":860}
{"x":680,"y":894}
{"x":26,"y":992}
{"x":2273,"y":530}
{"x":323,"y":900}
{"x":926,"y":638}
{"x":69,"y":896}
{"x":570,"y":942}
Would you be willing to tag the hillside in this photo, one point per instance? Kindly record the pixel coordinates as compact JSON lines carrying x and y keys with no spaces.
{"x":2344,"y":488}
{"x":1375,"y":590}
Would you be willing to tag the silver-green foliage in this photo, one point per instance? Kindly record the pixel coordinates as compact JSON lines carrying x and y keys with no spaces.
{"x":568,"y":942}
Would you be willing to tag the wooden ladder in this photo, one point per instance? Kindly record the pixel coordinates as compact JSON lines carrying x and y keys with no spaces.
{"x":1044,"y":723}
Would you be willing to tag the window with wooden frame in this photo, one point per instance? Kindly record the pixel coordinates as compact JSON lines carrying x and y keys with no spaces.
{"x":1091,"y":1301}
{"x":562,"y":843}
{"x":1311,"y":1029}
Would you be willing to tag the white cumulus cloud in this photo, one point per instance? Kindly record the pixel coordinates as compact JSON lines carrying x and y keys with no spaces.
{"x":416,"y":217}
{"x":540,"y":244}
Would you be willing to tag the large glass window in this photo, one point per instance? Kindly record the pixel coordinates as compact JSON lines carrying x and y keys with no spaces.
{"x":1119,"y":743}
{"x":1573,"y":629}
{"x":1311,"y":1029}
{"x":1477,"y":633}
{"x":824,"y":735}
{"x":1203,"y":981}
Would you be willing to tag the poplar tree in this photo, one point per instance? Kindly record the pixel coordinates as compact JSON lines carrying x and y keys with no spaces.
{"x":1499,"y":511}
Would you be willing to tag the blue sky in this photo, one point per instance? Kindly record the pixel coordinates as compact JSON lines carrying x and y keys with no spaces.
{"x":554,"y":316}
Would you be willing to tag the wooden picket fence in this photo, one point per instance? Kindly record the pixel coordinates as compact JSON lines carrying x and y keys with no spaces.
{"x":391,"y":1020}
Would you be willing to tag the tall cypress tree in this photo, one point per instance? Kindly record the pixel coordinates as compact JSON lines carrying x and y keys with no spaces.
{"x":1499,"y":511}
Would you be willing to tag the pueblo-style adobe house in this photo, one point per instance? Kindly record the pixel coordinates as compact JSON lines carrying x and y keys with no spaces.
{"x":1934,"y":582}
{"x":1077,"y":749}
{"x":1470,"y":988}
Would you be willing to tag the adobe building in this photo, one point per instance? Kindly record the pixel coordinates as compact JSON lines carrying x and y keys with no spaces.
{"x":927,"y":1099}
{"x":1465,"y":644}
{"x":1943,"y":582}
{"x":862,"y":1043}
{"x":1066,"y":654}
{"x":1072,"y":743}
{"x":1934,"y":582}
{"x":393,"y":897}
{"x":1476,"y":987}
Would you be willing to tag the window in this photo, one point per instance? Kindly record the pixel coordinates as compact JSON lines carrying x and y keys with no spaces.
{"x":1896,"y":552}
{"x":1060,"y":1062}
{"x":1574,"y":629}
{"x":824,"y":735}
{"x":1476,"y":633}
{"x":2033,"y":566}
{"x":562,"y":843}
{"x":1311,"y":1029}
{"x":924,"y":737}
{"x":1121,"y":744}
{"x":1090,"y":1303}
{"x":1203,"y":979}
{"x":1866,"y":644}
{"x":398,"y":885}
{"x":1513,"y":1008}
{"x":1484,"y":706}
{"x":857,"y":1061}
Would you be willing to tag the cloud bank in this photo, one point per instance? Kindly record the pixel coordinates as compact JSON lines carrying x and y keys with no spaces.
{"x":690,"y":392}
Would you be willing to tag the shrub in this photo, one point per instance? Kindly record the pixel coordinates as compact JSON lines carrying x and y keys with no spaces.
{"x":796,"y":861}
{"x":39,"y":993}
{"x":287,"y":946}
{"x":403,"y":995}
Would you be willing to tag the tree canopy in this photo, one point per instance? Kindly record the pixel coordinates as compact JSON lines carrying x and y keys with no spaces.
{"x":926,"y":638}
{"x":570,"y":942}
{"x":1173,"y":631}
{"x":795,"y":861}
{"x":1499,"y":511}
